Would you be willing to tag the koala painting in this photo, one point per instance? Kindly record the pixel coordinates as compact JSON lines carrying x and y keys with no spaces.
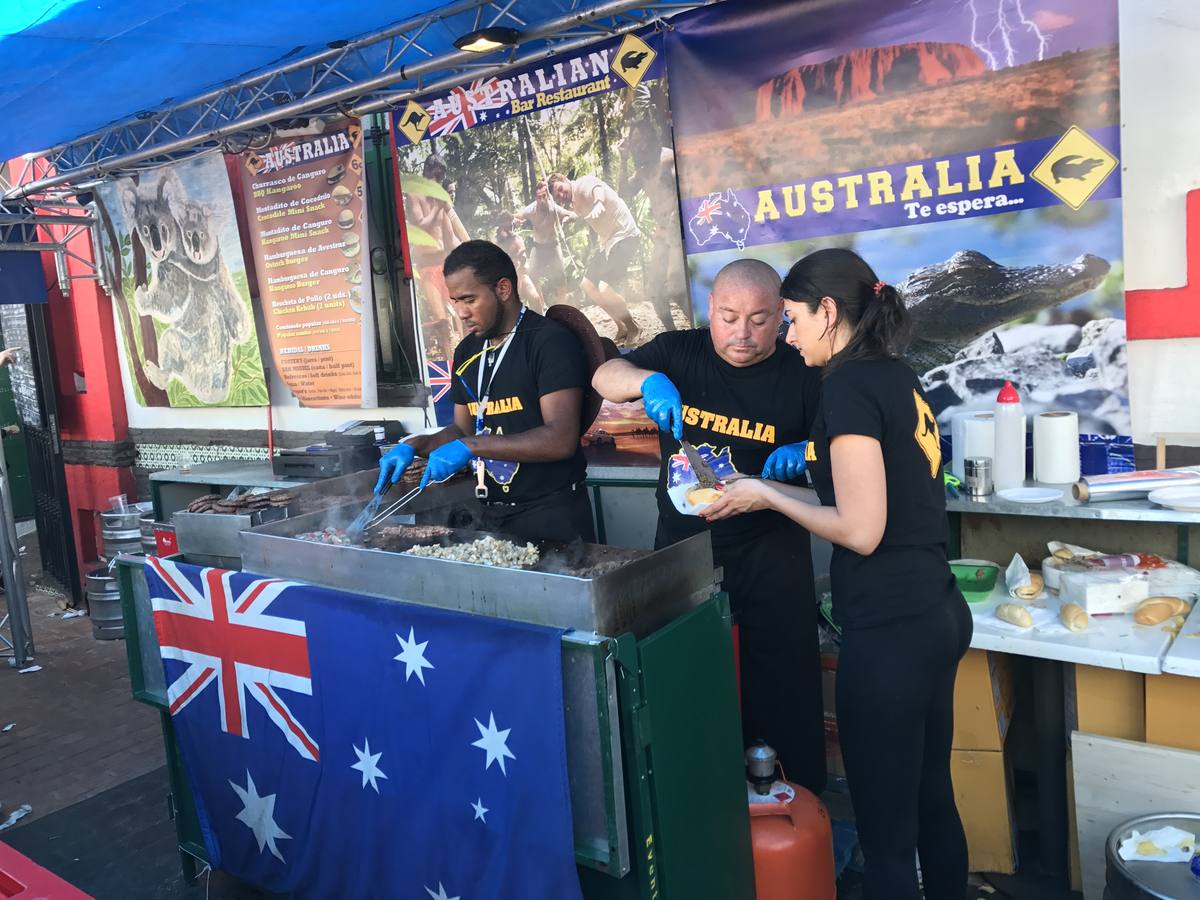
{"x":151,"y":211}
{"x":189,"y":289}
{"x":212,"y":286}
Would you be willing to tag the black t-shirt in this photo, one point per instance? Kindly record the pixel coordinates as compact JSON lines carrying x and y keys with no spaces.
{"x":735,"y":416}
{"x":908,"y":572}
{"x":542,"y":357}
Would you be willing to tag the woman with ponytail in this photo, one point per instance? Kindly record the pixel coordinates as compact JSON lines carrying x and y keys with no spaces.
{"x":875,"y":462}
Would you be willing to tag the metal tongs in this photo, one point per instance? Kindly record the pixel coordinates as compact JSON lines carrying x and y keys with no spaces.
{"x":704,"y":472}
{"x":371,"y":516}
{"x":394,"y":508}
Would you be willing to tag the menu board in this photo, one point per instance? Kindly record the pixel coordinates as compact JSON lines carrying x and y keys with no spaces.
{"x":306,"y":201}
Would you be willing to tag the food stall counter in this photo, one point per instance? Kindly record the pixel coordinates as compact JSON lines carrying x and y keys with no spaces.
{"x":1069,"y":508}
{"x":1183,"y":657}
{"x":1110,"y":642}
{"x":173,"y":489}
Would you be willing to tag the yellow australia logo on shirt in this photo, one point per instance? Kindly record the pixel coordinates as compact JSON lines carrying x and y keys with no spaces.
{"x":929,"y":438}
{"x":810,"y":452}
{"x":731,"y":425}
{"x":498,"y":407}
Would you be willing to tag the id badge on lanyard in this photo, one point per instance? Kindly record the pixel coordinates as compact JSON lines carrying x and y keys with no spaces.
{"x":481,"y":488}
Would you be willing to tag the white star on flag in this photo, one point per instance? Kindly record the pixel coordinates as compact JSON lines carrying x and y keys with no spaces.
{"x":441,"y":893}
{"x":368,"y":764}
{"x":258,"y":814}
{"x":413,"y":656}
{"x":494,"y":742}
{"x":480,"y":811}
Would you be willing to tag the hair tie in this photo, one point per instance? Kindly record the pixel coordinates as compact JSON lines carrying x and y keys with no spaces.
{"x":879,"y":286}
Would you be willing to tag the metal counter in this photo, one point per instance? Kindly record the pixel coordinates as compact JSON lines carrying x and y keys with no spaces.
{"x":644,"y":591}
{"x":1070,"y":508}
{"x":173,"y":489}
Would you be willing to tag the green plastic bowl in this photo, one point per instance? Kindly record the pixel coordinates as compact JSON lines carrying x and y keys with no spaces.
{"x":976,"y":579}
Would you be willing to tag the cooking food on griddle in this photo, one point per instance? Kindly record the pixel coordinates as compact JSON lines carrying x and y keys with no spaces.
{"x":203,"y":504}
{"x":246,"y":503}
{"x":413,"y":532}
{"x":328,"y":535}
{"x":487,"y":551}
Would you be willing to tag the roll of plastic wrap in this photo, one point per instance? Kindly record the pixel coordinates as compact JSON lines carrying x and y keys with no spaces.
{"x":972,"y":434}
{"x":1056,"y":448}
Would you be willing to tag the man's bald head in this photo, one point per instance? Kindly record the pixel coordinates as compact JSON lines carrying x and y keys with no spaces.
{"x":745,"y":312}
{"x":748,"y":274}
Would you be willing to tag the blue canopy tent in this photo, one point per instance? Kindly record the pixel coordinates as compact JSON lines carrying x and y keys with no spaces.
{"x":100,"y":88}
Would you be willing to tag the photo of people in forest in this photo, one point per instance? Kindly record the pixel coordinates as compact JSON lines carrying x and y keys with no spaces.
{"x":582,"y":197}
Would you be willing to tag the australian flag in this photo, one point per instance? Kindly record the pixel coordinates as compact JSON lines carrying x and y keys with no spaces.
{"x":439,"y":387}
{"x":679,"y":468}
{"x":345,"y":746}
{"x":720,"y":215}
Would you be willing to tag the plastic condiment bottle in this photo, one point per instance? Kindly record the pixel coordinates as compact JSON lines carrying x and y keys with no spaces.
{"x":1008,"y":463}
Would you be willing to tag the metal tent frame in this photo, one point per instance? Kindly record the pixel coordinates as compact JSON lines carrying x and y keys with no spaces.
{"x":369,"y":74}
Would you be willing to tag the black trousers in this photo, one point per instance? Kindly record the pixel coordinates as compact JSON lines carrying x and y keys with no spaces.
{"x":770,"y":585}
{"x":895,"y":710}
{"x":565,"y":516}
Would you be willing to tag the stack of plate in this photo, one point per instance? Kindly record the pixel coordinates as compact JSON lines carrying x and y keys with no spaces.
{"x":1181,"y":499}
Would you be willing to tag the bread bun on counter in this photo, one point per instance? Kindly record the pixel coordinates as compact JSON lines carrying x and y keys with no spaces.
{"x":1074,"y":617}
{"x":1014,"y":614}
{"x":1032,"y":590}
{"x":1155,"y":610}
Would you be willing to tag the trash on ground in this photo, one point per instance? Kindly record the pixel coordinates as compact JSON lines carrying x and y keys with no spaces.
{"x":19,"y":813}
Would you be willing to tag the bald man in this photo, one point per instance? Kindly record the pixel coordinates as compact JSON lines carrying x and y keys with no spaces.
{"x":746,"y":400}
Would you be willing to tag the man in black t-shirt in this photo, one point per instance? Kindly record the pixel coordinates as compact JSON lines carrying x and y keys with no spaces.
{"x":518,"y":387}
{"x":746,"y":401}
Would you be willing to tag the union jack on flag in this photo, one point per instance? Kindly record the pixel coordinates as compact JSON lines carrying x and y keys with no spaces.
{"x":230,"y":640}
{"x":439,"y":378}
{"x":708,"y":208}
{"x":442,"y":769}
{"x":456,"y":111}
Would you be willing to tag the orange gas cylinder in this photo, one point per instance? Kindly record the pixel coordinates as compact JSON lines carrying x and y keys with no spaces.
{"x":793,"y":845}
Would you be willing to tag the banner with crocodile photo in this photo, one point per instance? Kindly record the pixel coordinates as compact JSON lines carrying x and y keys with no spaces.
{"x":967,"y":149}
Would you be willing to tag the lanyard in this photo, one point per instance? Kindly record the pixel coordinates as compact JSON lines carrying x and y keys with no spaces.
{"x":482,"y":395}
{"x":484,"y":392}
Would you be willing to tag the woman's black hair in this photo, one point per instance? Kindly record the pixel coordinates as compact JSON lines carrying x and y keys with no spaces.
{"x":874,"y":311}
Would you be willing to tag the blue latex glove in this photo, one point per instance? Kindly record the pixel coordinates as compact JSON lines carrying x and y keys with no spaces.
{"x":445,"y":461}
{"x":663,"y":404}
{"x":786,"y":463}
{"x":392,"y":465}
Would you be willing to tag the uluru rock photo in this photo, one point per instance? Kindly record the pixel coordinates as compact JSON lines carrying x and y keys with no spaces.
{"x":865,"y":74}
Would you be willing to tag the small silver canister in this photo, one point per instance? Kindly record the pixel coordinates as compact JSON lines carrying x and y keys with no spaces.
{"x":978,"y":472}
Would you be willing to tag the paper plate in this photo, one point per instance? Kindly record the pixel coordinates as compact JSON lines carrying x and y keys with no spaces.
{"x":678,"y":496}
{"x":1030,"y":495}
{"x":1183,"y":499}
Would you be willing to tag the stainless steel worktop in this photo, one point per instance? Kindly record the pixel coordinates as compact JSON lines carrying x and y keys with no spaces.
{"x":232,"y":472}
{"x":1070,"y":508}
{"x":635,"y":591}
